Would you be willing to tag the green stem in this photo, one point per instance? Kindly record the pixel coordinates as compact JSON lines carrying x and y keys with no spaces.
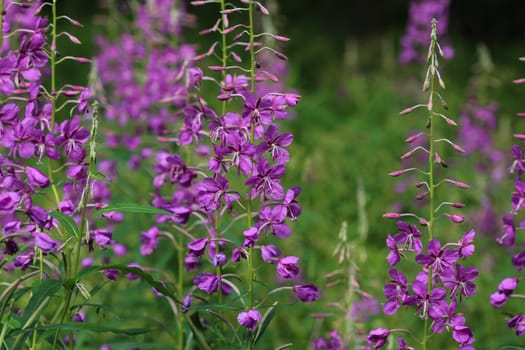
{"x":224,"y":57}
{"x":53,"y":65}
{"x":180,"y":289}
{"x":1,"y":25}
{"x":431,"y":164}
{"x":251,"y":271}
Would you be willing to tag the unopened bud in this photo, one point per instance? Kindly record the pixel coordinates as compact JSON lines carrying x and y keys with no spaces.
{"x":228,"y":30}
{"x":281,"y":38}
{"x":407,"y":154}
{"x":397,"y":173}
{"x":271,"y":76}
{"x":391,"y":215}
{"x":412,"y":138}
{"x":519,"y":81}
{"x":450,"y":121}
{"x":444,"y":164}
{"x":437,"y":158}
{"x":519,"y":136}
{"x":263,"y":9}
{"x":224,"y":97}
{"x":82,"y":60}
{"x":73,"y":38}
{"x":421,"y":195}
{"x":460,"y":184}
{"x":521,"y":114}
{"x":280,"y":55}
{"x":236,"y":57}
{"x":458,"y":148}
{"x":217,"y":68}
{"x":458,"y":205}
{"x":423,"y":222}
{"x":406,"y":110}
{"x":458,"y":219}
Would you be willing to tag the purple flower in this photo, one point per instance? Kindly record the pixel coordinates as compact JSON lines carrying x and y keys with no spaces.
{"x":207,"y":282}
{"x":462,"y":335}
{"x":306,"y":292}
{"x":509,"y":236}
{"x":72,"y":138}
{"x":149,"y":240}
{"x":45,"y":243}
{"x":102,"y":237}
{"x":249,"y":319}
{"x":266,"y":180}
{"x":241,"y":152}
{"x":290,"y":202}
{"x":198,"y":246}
{"x":517,"y":322}
{"x":461,"y":282}
{"x":212,"y":191}
{"x":441,"y":261}
{"x":409,"y":235}
{"x":466,"y":246}
{"x":276,"y":143}
{"x":22,"y":261}
{"x":287,"y":267}
{"x":186,"y":303}
{"x":272,"y":220}
{"x":505,"y":290}
{"x":424,"y":300}
{"x":444,"y":315}
{"x":393,"y":256}
{"x":270,"y":253}
{"x":518,"y":196}
{"x":395,"y":291}
{"x":518,"y":260}
{"x":8,"y":202}
{"x":378,"y":337}
{"x":402,"y":344}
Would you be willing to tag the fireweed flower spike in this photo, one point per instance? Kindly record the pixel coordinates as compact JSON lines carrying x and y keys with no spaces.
{"x":443,"y":283}
{"x":217,"y":171}
{"x":47,"y":156}
{"x":509,"y":238}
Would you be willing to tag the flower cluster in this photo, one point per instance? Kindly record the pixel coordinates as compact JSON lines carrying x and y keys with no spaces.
{"x":31,"y":137}
{"x":247,"y":147}
{"x":443,"y":282}
{"x":415,"y":40}
{"x":219,"y":165}
{"x":509,"y":238}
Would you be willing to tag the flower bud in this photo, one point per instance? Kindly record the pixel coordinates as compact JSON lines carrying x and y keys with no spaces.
{"x":391,"y":215}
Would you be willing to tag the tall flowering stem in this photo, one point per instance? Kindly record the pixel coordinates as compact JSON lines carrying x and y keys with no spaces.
{"x":443,"y":282}
{"x":508,"y":287}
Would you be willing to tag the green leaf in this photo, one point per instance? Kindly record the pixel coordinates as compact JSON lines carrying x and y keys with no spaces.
{"x":41,"y":291}
{"x":218,"y":307}
{"x":83,"y":326}
{"x":269,"y":314}
{"x":132,"y":208}
{"x":100,"y":177}
{"x":146,"y":277}
{"x":69,"y":224}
